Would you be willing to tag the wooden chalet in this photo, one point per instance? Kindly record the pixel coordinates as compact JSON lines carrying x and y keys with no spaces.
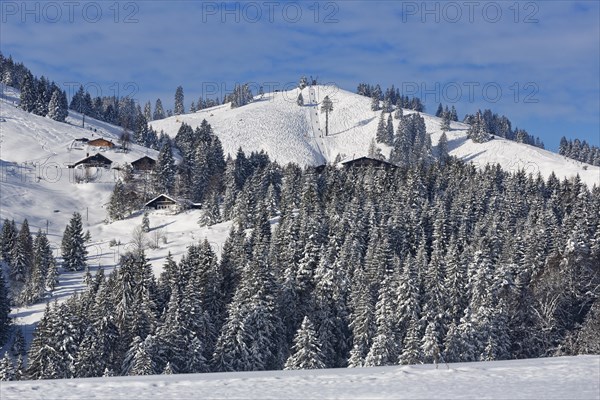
{"x":144,"y":164}
{"x":164,"y":202}
{"x":100,"y":142}
{"x":97,"y":160}
{"x":365,"y":162}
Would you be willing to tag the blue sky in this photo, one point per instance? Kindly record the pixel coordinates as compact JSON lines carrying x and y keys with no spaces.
{"x":536,"y":62}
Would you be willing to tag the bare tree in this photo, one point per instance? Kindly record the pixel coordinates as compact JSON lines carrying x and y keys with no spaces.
{"x":138,"y":241}
{"x":157,"y":235}
{"x":125,"y":140}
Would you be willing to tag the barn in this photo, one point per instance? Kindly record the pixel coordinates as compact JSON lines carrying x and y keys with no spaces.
{"x":144,"y":164}
{"x":101,"y":142}
{"x":97,"y":160}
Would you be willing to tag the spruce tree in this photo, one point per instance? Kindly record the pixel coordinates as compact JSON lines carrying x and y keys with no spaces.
{"x":453,"y":114}
{"x":159,"y":112}
{"x":440,"y":111}
{"x":57,"y":110}
{"x":73,"y":248}
{"x":445,"y":127}
{"x":4,"y":310}
{"x":148,"y":111}
{"x":384,"y":350}
{"x":327,"y":108}
{"x":22,"y":258}
{"x":381,"y":134}
{"x":430,"y":346}
{"x":362,"y":319}
{"x":399,"y":113}
{"x":241,"y":96}
{"x":164,"y":171}
{"x":28,"y":93}
{"x":443,"y":148}
{"x":43,"y":262}
{"x":7,"y":368}
{"x":9,"y":239}
{"x":411,"y":353}
{"x":376,"y":98}
{"x":52,"y":276}
{"x":478,"y":131}
{"x":249,"y":339}
{"x":389,"y":137}
{"x":142,"y":363}
{"x":119,"y":204}
{"x":179,"y":107}
{"x":306,"y":350}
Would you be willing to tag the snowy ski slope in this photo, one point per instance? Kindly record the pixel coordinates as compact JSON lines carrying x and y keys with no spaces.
{"x":290,"y":133}
{"x":571,"y":378}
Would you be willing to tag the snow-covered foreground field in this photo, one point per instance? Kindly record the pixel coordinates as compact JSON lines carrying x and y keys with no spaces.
{"x":548,"y":378}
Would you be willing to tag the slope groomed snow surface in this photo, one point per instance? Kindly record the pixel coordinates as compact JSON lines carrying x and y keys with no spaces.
{"x":546,"y":378}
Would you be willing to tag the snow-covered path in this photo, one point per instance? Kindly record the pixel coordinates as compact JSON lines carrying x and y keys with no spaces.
{"x":546,"y":378}
{"x":315,"y":122}
{"x":313,"y":116}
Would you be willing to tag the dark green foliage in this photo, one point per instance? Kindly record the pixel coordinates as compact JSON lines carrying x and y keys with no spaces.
{"x":164,"y":172}
{"x":579,"y":150}
{"x":327,"y":108}
{"x":430,"y":262}
{"x":73,"y":248}
{"x":4,"y":311}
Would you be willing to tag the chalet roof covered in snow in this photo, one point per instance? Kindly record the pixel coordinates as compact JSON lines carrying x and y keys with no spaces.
{"x":97,"y":160}
{"x":367,"y":162}
{"x":144,"y":163}
{"x":101,"y":142}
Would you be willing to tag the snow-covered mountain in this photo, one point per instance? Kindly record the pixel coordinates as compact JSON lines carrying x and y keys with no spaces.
{"x":292,"y":133}
{"x":36,"y":183}
{"x":35,"y":151}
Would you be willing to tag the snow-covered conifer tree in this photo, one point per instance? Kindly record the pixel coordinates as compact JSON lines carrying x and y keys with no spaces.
{"x":73,"y":248}
{"x":159,"y":112}
{"x":306,"y":350}
{"x":179,"y":107}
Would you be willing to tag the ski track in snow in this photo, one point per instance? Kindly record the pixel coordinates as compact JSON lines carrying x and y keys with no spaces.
{"x":546,"y":378}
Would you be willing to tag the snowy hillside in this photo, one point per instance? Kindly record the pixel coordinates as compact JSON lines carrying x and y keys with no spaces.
{"x":35,"y":183}
{"x":35,"y":154}
{"x":551,"y":378}
{"x":291,"y":133}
